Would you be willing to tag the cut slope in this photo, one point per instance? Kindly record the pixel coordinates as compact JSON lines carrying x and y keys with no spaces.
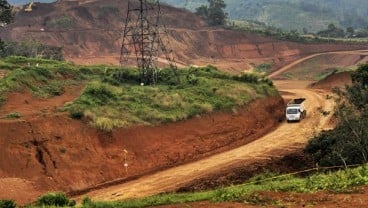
{"x":90,"y":32}
{"x":46,"y":156}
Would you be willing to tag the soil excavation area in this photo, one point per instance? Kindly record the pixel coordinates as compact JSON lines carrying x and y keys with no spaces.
{"x":47,"y":151}
{"x":286,"y":137}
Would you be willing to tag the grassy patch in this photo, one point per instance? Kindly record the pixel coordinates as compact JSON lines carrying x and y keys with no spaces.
{"x":62,"y":22}
{"x":340,"y":181}
{"x":110,"y":104}
{"x":113,"y":97}
{"x":13,"y":115}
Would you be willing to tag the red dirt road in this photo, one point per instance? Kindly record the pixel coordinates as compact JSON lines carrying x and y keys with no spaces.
{"x":286,"y":136}
{"x":291,"y":65}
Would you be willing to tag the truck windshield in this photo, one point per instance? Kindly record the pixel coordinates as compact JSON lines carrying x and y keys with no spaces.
{"x":292,"y":111}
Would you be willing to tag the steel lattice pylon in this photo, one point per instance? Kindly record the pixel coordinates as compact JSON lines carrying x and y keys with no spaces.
{"x":143,"y":39}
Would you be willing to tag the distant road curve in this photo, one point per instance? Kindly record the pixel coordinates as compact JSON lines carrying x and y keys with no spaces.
{"x":289,"y":66}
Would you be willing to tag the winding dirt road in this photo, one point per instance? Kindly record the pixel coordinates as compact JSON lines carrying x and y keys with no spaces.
{"x":284,"y":138}
{"x":289,"y":66}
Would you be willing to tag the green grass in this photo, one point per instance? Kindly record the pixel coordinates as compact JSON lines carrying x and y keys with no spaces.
{"x":13,"y":115}
{"x":342,"y":181}
{"x":110,"y":106}
{"x":110,"y":102}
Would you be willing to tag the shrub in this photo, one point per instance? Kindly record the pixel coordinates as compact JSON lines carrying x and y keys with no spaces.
{"x":2,"y":99}
{"x":13,"y":115}
{"x":76,"y":112}
{"x":247,"y":77}
{"x":60,"y":22}
{"x":99,"y":94}
{"x":53,"y":199}
{"x":7,"y":204}
{"x":107,"y":124}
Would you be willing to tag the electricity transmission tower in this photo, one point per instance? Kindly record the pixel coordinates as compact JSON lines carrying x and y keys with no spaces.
{"x":143,"y":39}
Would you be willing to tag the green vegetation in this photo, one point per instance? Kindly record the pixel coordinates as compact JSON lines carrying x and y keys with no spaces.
{"x":316,"y":68}
{"x":114,"y":98}
{"x":44,"y":78}
{"x":214,"y":13}
{"x":110,"y":104}
{"x":63,"y":22}
{"x":7,"y":204}
{"x":263,"y":68}
{"x":105,"y":10}
{"x":31,"y":49}
{"x":13,"y":115}
{"x":6,"y":17}
{"x":55,"y":200}
{"x":338,"y":182}
{"x":303,"y":16}
{"x":348,"y":143}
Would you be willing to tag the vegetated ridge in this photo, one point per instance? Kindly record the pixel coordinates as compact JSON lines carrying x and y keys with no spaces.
{"x":313,"y":15}
{"x":54,"y":112}
{"x":89,"y":32}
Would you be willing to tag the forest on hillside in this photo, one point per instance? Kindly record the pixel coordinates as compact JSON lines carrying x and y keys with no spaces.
{"x":313,"y":15}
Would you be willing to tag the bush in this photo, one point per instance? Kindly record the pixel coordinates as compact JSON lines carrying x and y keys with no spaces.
{"x":7,"y":204}
{"x":247,"y":77}
{"x":2,"y":99}
{"x":107,"y":124}
{"x":53,"y":199}
{"x":99,"y":94}
{"x":13,"y":115}
{"x":76,"y":112}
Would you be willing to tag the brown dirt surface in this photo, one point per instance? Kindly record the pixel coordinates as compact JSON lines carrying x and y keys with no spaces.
{"x":94,"y":37}
{"x":314,"y":66}
{"x":339,"y":80}
{"x":43,"y":151}
{"x":30,"y":106}
{"x":286,"y":138}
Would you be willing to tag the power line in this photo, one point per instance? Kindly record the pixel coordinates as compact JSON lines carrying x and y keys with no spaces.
{"x":146,"y":38}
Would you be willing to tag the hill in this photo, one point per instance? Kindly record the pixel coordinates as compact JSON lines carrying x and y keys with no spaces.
{"x":313,"y":15}
{"x":22,"y":2}
{"x":89,"y":32}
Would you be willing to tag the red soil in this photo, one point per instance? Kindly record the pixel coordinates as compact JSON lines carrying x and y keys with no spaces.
{"x":58,"y":153}
{"x":94,"y":38}
{"x":334,"y":80}
{"x":31,"y":107}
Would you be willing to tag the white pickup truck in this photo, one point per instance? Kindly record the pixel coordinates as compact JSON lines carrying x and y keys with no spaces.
{"x":295,"y":110}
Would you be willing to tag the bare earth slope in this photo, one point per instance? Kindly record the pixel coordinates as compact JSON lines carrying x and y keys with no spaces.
{"x":283,"y":138}
{"x":90,"y":33}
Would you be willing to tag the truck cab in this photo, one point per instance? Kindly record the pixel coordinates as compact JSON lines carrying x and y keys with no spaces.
{"x":295,"y":110}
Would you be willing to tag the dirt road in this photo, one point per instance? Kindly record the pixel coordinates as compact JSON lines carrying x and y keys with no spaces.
{"x":286,"y":136}
{"x":289,"y":66}
{"x":281,"y":140}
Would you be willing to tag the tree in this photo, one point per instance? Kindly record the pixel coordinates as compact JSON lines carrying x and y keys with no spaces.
{"x":214,"y":13}
{"x":348,"y":143}
{"x":332,"y":31}
{"x":202,"y":11}
{"x":6,"y":16}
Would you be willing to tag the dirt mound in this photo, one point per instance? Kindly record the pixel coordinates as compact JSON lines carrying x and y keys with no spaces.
{"x":44,"y":151}
{"x":90,"y":32}
{"x":334,"y":80}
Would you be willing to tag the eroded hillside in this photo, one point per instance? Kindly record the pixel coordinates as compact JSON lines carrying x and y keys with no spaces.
{"x":90,"y":32}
